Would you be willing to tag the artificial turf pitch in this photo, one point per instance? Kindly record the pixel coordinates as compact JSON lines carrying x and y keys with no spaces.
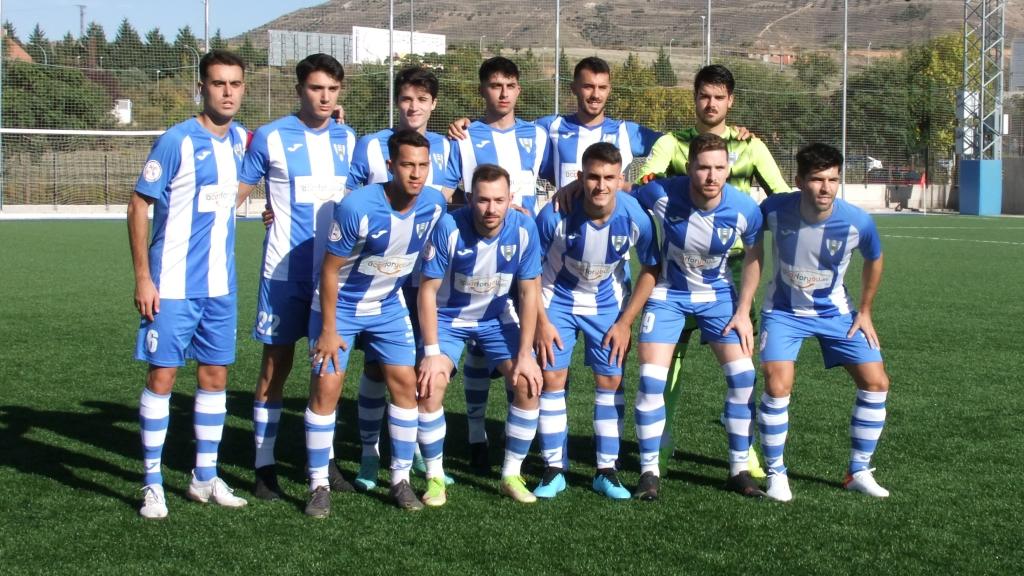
{"x":949,"y":314}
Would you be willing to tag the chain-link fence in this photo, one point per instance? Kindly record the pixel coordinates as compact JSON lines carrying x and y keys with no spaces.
{"x":904,"y":74}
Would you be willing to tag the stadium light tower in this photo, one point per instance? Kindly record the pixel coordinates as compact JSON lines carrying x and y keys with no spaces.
{"x":206,"y":24}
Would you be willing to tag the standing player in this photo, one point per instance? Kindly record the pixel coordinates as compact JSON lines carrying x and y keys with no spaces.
{"x":375,"y":239}
{"x":304,"y":158}
{"x":701,"y":218}
{"x":518,"y":147}
{"x":415,"y":98}
{"x":185,"y":279}
{"x":585,"y":286}
{"x":750,"y":163}
{"x":476,"y":254}
{"x":814,"y":236}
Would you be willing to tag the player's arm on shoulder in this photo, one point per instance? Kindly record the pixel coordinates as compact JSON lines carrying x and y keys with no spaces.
{"x":659,"y":160}
{"x":459,"y":129}
{"x":147,"y":298}
{"x":255,"y":166}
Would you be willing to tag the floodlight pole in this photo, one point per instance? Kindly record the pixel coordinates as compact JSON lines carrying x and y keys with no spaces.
{"x":206,"y":24}
{"x":558,"y":51}
{"x":707,"y":39}
{"x":391,"y":63}
{"x":846,"y":57}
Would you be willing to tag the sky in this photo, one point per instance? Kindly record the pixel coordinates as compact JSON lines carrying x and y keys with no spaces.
{"x":58,"y":17}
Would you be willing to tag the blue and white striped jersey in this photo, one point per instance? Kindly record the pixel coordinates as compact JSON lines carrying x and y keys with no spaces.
{"x":381,"y":247}
{"x":369,"y":162}
{"x":695,"y":244}
{"x":306,"y":172}
{"x":810,"y":260}
{"x":192,"y":176}
{"x":585,"y":264}
{"x":568,"y":140}
{"x":519,"y":150}
{"x":476,"y":272}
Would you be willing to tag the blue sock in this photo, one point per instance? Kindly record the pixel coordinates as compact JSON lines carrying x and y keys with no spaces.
{"x":154,"y":416}
{"x":773,"y":424}
{"x":650,"y":415}
{"x":319,"y":438}
{"x":520,"y":429}
{"x":208,"y":419}
{"x":370,"y":410}
{"x":430,"y":435}
{"x":865,"y":428}
{"x":265,"y":419}
{"x":552,"y":428}
{"x":477,"y":383}
{"x":606,"y":428}
{"x":739,"y":411}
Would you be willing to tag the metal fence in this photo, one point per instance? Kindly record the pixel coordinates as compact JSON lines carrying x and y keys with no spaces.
{"x":904,"y":73}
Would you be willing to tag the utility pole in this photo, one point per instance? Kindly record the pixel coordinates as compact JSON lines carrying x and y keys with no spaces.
{"x":206,"y":24}
{"x":81,"y":20}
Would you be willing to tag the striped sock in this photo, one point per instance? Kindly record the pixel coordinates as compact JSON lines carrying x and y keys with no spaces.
{"x":477,"y":383}
{"x":210,"y":411}
{"x":606,"y":427}
{"x":154,"y":416}
{"x":552,"y":428}
{"x":430,"y":435}
{"x":865,"y":428}
{"x":402,"y":425}
{"x":773,"y":424}
{"x":620,"y":408}
{"x":520,"y":429}
{"x":650,"y":415}
{"x":739,"y":411}
{"x":265,"y":419}
{"x":370,"y":408}
{"x":319,"y":438}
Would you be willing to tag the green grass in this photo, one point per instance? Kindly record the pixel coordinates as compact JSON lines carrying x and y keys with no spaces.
{"x":949,"y":315}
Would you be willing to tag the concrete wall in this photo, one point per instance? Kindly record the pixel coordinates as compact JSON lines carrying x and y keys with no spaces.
{"x":1013,"y":185}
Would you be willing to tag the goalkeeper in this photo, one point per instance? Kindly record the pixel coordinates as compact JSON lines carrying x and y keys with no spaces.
{"x":749,"y":161}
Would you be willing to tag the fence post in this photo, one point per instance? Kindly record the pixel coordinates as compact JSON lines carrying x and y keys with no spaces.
{"x":54,"y":182}
{"x":106,"y":182}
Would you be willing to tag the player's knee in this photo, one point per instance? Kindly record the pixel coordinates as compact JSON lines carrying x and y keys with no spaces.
{"x":212,"y":378}
{"x":778,"y":378}
{"x":160,"y":380}
{"x":877,"y":381}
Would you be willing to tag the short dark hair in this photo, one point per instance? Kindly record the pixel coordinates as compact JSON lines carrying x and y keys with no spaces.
{"x":603,"y":152}
{"x":489,"y":173}
{"x":706,"y":142}
{"x":319,"y":63}
{"x":817,"y":157}
{"x":593,"y":64}
{"x":498,"y":65}
{"x":416,"y":76}
{"x":714,"y":74}
{"x":407,"y":137}
{"x":219,"y":56}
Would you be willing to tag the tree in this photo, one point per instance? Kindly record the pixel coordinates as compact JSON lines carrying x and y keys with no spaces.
{"x":217,"y":42}
{"x":10,"y":32}
{"x":68,"y":51}
{"x":127,"y":50}
{"x":158,"y":54}
{"x":251,"y":55}
{"x":53,"y":97}
{"x":95,"y":44}
{"x":38,"y":46}
{"x":815,"y":68}
{"x":663,"y":72}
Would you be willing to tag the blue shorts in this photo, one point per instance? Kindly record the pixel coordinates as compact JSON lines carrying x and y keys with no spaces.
{"x":282,"y":311}
{"x":386,"y":339}
{"x":782,"y":335}
{"x":203,"y":329}
{"x":663,"y":320}
{"x":499,"y":341}
{"x":594,"y":328}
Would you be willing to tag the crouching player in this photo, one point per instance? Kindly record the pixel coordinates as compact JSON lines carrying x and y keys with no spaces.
{"x":814,"y":235}
{"x":475,"y":255}
{"x":701,"y":217}
{"x":374,"y":242}
{"x":585,"y":286}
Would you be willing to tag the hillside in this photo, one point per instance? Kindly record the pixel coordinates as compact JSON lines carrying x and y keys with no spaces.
{"x":624,"y":24}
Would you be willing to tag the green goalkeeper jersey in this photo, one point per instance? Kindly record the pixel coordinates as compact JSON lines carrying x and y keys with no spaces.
{"x":750,"y":161}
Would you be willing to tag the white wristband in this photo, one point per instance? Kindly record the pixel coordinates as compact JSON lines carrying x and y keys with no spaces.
{"x":432,"y":350}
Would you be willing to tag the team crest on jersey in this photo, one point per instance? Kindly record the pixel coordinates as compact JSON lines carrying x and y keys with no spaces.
{"x":439,"y":160}
{"x":724,"y":234}
{"x":421,"y":229}
{"x":151,"y":171}
{"x":428,"y":252}
{"x":833,"y":246}
{"x":508,"y":251}
{"x":527,"y":143}
{"x":609,"y":138}
{"x":335,"y":234}
{"x":618,"y":242}
{"x":239,"y":150}
{"x":339,"y":149}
